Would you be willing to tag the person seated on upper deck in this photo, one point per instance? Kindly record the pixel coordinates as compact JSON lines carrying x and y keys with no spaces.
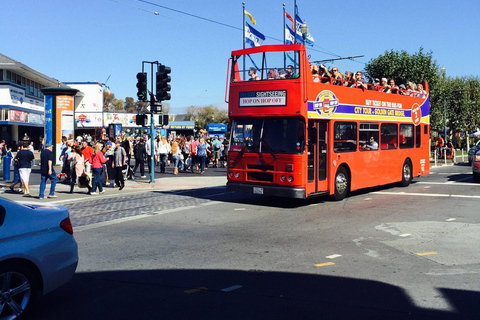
{"x":348,"y":79}
{"x":376,"y":85}
{"x":421,"y":92}
{"x":337,"y":75}
{"x":281,"y":74}
{"x":272,"y":74}
{"x":252,"y":72}
{"x":290,"y":74}
{"x":315,"y":75}
{"x":360,"y":81}
{"x":324,"y":74}
{"x":384,"y":84}
{"x":401,"y":89}
{"x":393,"y":86}
{"x":409,"y":89}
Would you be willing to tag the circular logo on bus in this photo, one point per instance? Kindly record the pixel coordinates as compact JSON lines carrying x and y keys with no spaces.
{"x":326,"y":103}
{"x":416,"y":114}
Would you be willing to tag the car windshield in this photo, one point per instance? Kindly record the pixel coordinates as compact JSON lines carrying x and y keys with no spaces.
{"x":274,"y":136}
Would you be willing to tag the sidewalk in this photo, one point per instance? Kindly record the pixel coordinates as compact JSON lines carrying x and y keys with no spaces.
{"x":214,"y":177}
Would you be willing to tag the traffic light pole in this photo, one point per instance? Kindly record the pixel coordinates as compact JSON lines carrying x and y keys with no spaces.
{"x":161,"y":93}
{"x":152,"y":126}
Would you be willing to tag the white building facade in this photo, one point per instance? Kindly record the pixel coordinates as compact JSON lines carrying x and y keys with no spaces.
{"x":22,"y":107}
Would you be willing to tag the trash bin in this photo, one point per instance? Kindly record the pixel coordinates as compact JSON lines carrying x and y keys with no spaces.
{"x":6,"y":168}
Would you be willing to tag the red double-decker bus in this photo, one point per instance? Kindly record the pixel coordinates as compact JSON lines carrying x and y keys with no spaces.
{"x":296,"y":135}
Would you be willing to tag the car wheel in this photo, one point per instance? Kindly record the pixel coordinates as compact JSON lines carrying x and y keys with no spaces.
{"x":18,"y":290}
{"x":406,"y":173}
{"x":342,"y":184}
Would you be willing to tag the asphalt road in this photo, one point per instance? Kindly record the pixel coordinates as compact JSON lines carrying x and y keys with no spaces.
{"x":382,"y":253}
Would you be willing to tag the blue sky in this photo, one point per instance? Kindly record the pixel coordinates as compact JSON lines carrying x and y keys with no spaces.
{"x":90,"y":40}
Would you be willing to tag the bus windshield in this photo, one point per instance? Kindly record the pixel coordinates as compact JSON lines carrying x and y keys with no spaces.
{"x":274,"y":136}
{"x":276,"y":65}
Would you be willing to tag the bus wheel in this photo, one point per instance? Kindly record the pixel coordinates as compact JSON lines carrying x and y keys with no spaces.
{"x":342,"y":182}
{"x":406,"y":173}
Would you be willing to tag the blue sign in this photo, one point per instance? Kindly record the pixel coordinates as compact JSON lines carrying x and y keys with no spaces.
{"x":49,"y":119}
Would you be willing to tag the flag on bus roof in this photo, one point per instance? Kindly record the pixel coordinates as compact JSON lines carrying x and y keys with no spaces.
{"x":250,"y":16}
{"x":252,"y":36}
{"x":308,"y":39}
{"x":289,"y":17}
{"x":290,"y":37}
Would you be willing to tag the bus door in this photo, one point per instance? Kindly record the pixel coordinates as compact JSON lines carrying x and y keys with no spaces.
{"x":317,"y":156}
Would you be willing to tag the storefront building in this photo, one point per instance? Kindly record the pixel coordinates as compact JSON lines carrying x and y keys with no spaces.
{"x":22,"y":109}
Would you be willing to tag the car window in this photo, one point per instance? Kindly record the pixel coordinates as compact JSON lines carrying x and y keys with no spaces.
{"x":2,"y":215}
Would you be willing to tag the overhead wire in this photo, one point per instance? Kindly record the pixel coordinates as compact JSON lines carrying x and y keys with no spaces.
{"x":324,"y":51}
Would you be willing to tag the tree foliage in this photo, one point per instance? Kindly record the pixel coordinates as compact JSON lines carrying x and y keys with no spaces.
{"x":208,"y":114}
{"x":454,"y":102}
{"x":462,"y":103}
{"x":130,"y":105}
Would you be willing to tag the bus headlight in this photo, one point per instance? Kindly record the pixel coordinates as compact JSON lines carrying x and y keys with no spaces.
{"x":230,"y":174}
{"x":237,"y":175}
{"x":283,"y":178}
{"x":290,"y":179}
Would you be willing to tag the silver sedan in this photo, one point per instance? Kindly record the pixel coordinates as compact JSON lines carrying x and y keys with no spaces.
{"x":38,"y":254}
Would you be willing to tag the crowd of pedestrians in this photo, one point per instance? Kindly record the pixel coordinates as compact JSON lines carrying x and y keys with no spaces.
{"x":92,"y":164}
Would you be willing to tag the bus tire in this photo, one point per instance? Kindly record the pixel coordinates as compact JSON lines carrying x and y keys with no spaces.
{"x":342,"y":183}
{"x":406,"y":173}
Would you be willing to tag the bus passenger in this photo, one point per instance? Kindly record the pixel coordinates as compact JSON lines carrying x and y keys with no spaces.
{"x":290,"y":74}
{"x":252,"y":72}
{"x":384,"y":84}
{"x":281,"y":74}
{"x":337,"y":75}
{"x":421,"y":92}
{"x":393,"y":86}
{"x":348,"y":79}
{"x":314,"y":69}
{"x":360,"y":81}
{"x":324,"y":74}
{"x":272,"y":74}
{"x":372,"y":145}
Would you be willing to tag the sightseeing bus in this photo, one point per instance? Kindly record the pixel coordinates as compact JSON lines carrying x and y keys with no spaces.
{"x":295,"y":135}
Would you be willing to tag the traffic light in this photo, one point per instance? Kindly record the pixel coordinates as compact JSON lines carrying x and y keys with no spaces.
{"x":163,"y":88}
{"x":142,"y":86}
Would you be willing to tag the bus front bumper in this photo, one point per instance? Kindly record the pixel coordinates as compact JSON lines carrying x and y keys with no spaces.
{"x":298,"y":193}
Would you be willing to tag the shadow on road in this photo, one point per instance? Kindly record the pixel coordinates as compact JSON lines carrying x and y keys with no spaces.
{"x":227,"y":294}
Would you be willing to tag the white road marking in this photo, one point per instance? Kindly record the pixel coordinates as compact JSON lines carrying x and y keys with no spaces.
{"x":333,"y":256}
{"x":367,"y":199}
{"x":450,"y":183}
{"x":239,"y":209}
{"x":435,"y":195}
{"x":451,"y":219}
{"x":405,"y":235}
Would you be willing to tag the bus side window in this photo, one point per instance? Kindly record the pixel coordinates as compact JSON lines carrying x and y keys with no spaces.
{"x":406,"y":136}
{"x":345,"y":134}
{"x":389,"y":136}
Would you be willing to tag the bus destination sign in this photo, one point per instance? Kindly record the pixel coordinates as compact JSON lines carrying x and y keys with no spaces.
{"x":263,"y":98}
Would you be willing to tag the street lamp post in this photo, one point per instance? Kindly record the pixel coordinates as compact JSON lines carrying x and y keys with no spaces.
{"x":304,"y":31}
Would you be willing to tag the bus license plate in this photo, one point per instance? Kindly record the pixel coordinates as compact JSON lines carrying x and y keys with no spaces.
{"x":257,"y":190}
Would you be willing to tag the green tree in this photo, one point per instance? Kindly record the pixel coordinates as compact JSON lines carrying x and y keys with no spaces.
{"x":130,"y":105}
{"x":417,"y":68}
{"x":462,"y":103}
{"x":208,"y":114}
